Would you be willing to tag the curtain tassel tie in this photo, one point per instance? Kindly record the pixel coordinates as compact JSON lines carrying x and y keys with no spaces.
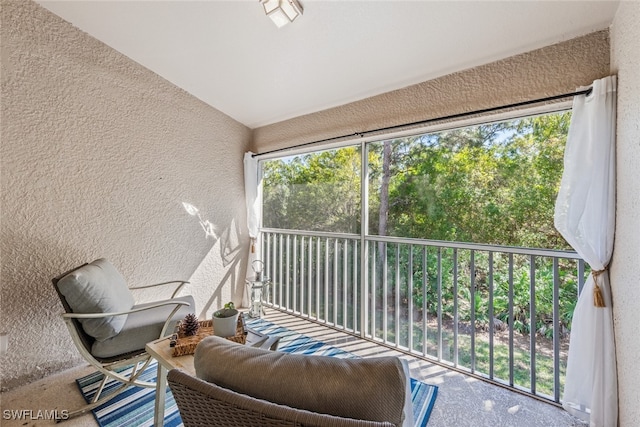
{"x":253,"y":246}
{"x":598,"y":299}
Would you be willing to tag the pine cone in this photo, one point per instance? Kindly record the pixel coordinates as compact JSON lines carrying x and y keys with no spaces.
{"x":189,"y":325}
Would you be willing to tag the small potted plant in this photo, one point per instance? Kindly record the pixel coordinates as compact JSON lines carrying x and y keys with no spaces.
{"x":225,"y":320}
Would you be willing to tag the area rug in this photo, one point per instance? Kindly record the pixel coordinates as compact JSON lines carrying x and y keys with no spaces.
{"x":134,"y":407}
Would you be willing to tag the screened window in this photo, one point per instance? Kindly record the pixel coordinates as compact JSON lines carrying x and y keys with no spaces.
{"x":493,"y":183}
{"x":314,"y":192}
{"x":503,"y":312}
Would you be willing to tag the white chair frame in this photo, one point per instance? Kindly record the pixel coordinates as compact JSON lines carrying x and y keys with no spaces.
{"x":108,"y":366}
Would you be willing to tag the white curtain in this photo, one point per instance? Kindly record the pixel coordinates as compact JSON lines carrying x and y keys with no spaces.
{"x":585,"y":216}
{"x":252,"y":190}
{"x":251,"y":194}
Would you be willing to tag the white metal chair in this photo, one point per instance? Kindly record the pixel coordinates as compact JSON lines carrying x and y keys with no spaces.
{"x":109,"y":330}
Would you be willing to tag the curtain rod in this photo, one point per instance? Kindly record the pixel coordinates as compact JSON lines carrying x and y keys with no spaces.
{"x":437,"y":119}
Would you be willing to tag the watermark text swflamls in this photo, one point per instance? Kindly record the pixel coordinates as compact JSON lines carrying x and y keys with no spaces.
{"x":31,"y":415}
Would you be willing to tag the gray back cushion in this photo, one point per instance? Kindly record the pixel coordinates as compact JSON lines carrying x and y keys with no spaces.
{"x":98,"y":288}
{"x":367,"y":389}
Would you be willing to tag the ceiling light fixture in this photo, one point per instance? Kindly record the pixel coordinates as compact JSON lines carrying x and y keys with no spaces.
{"x":281,"y":12}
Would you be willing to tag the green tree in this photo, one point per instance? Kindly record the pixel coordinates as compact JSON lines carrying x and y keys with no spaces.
{"x":493,"y":183}
{"x":317,"y":192}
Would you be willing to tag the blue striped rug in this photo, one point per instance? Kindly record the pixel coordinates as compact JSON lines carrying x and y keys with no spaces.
{"x":134,"y":407}
{"x":423,"y":396}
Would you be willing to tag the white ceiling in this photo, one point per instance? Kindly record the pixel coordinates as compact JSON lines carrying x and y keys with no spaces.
{"x":231,"y":56}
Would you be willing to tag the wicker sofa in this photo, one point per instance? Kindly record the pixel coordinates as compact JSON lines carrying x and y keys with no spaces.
{"x":238,"y":385}
{"x":203,"y":403}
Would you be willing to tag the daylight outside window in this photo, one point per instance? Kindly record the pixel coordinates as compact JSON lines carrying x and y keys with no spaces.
{"x":316,"y":192}
{"x":459,"y":261}
{"x":492,"y":183}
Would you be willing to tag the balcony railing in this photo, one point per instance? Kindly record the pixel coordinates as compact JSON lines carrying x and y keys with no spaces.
{"x":495,"y":312}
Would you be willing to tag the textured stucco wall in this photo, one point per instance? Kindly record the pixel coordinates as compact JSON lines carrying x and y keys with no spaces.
{"x":625,"y":265}
{"x":544,"y":72}
{"x":97,"y":156}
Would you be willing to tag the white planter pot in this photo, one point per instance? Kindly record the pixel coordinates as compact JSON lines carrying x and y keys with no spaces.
{"x":225,"y":326}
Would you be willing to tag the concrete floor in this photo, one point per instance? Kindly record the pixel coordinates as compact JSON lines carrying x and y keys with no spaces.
{"x":462,"y":400}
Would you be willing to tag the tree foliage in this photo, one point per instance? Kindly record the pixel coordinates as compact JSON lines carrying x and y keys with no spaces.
{"x":316,"y":192}
{"x":493,"y":183}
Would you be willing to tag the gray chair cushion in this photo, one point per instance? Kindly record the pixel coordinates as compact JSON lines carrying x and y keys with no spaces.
{"x":98,"y":288}
{"x":371,"y":389}
{"x":141,"y":327}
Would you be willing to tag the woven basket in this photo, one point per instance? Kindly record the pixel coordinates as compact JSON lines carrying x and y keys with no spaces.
{"x":183,"y":345}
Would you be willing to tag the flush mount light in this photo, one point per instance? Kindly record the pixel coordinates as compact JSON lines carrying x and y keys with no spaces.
{"x":281,"y":12}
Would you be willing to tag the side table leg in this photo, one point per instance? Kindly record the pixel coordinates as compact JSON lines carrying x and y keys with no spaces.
{"x":161,"y":394}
